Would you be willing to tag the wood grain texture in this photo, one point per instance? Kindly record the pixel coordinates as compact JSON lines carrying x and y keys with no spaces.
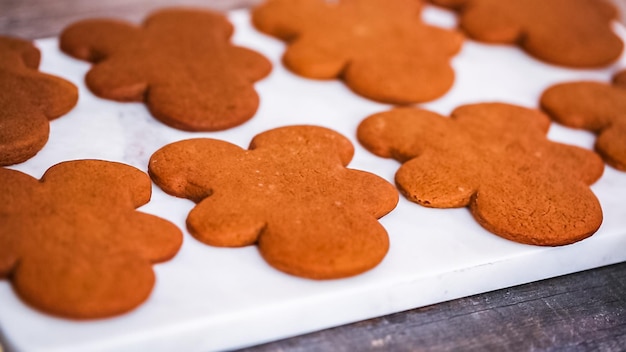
{"x":585,"y":311}
{"x":32,"y":19}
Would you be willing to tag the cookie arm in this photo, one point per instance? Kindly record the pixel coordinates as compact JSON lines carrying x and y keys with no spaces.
{"x":153,"y":238}
{"x":118,"y":79}
{"x":96,"y":180}
{"x":54,"y":96}
{"x":23,"y":132}
{"x":402,"y":133}
{"x":582,"y":164}
{"x":372,"y":193}
{"x":93,"y":40}
{"x":249,"y":63}
{"x":224,"y":221}
{"x":437,"y":181}
{"x":186,"y":168}
{"x":611,"y":144}
{"x":312,"y":55}
{"x":593,"y":106}
{"x":588,"y":105}
{"x":16,"y":188}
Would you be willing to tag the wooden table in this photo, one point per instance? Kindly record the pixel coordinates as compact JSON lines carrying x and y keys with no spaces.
{"x":582,"y":311}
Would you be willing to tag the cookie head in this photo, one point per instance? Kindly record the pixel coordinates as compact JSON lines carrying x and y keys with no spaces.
{"x":290,"y":193}
{"x":380,"y":48}
{"x":574,"y":33}
{"x":29,"y":100}
{"x":494,"y":159}
{"x":73,"y":244}
{"x":180,"y":62}
{"x":594,"y":106}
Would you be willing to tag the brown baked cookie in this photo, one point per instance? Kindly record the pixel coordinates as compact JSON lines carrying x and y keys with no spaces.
{"x":73,"y":244}
{"x":29,"y":99}
{"x":290,"y":194}
{"x":380,"y":48}
{"x":180,"y":62}
{"x":593,"y":106}
{"x":620,"y":79}
{"x":574,"y":33}
{"x":495,"y":159}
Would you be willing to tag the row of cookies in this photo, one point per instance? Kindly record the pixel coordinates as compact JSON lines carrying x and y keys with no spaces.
{"x":294,"y":254}
{"x":218,"y":93}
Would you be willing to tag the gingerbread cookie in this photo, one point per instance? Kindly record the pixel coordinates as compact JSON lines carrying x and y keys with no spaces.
{"x":574,"y":33}
{"x":594,"y":106}
{"x":495,"y":159}
{"x":29,"y":100}
{"x":380,"y":48}
{"x":180,"y":62}
{"x":73,"y":244}
{"x":290,"y":194}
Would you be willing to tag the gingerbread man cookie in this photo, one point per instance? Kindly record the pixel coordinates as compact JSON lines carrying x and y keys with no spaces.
{"x":179,"y":62}
{"x":29,"y":100}
{"x":73,"y":244}
{"x":290,"y":194}
{"x":574,"y":33}
{"x":594,"y":106}
{"x":380,"y":48}
{"x":495,"y":159}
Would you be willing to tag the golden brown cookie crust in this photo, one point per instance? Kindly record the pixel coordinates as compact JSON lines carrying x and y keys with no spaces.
{"x":290,"y":194}
{"x":495,"y":159}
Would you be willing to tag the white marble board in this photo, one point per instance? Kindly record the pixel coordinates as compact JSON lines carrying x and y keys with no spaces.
{"x":210,"y":298}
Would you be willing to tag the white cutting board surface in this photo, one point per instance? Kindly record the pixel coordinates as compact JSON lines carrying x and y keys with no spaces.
{"x":217,"y":298}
